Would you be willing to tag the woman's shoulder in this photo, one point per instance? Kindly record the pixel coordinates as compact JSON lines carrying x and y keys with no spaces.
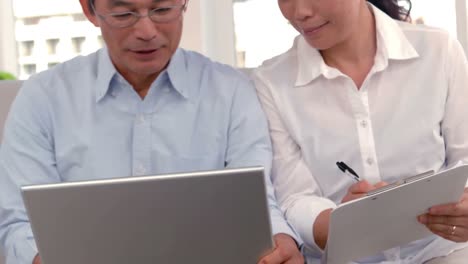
{"x":280,"y":65}
{"x":425,"y":37}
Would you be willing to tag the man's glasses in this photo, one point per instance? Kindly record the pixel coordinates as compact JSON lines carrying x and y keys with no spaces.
{"x":158,"y":15}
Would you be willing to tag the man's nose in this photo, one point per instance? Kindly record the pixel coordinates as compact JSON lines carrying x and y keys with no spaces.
{"x":145,"y":28}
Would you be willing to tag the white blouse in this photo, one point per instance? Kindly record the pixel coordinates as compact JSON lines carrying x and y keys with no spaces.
{"x":409,"y":116}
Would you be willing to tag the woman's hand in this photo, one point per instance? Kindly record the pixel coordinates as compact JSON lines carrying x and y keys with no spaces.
{"x":321,"y":224}
{"x":449,"y":221}
{"x":360,"y":189}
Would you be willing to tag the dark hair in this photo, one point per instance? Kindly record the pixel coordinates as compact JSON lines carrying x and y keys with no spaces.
{"x":393,"y":8}
{"x":90,"y":5}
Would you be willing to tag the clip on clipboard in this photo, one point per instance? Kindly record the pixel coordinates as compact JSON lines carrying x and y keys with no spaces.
{"x":401,"y":182}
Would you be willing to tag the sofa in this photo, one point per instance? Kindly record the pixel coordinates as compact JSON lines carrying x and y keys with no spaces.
{"x":8,"y":90}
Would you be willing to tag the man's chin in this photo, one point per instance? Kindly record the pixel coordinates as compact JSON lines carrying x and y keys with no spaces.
{"x":147,"y":70}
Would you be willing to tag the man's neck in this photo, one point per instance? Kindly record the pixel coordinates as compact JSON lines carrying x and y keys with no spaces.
{"x":141,"y":83}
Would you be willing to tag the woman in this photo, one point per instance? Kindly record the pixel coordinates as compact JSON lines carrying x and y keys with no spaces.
{"x":387,"y":97}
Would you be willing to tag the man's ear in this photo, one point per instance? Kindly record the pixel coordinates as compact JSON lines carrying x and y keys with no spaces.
{"x":89,"y":13}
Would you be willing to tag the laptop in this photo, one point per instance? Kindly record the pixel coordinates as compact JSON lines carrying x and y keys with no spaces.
{"x":217,"y":217}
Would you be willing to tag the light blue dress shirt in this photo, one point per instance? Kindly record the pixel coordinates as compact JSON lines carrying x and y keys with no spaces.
{"x":81,"y":120}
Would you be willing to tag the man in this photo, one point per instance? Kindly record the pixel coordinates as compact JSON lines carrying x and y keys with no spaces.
{"x":140,"y":106}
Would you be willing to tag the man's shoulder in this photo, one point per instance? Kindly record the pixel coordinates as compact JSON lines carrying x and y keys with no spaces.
{"x":204,"y":67}
{"x":67,"y":72}
{"x":62,"y":84}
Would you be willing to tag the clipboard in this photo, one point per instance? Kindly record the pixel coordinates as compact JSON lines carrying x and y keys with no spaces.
{"x":387,"y":217}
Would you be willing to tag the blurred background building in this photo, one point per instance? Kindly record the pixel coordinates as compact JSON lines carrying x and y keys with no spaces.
{"x":51,"y":31}
{"x":241,"y":33}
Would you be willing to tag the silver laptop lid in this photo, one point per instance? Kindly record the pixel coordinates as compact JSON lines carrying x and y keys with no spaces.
{"x":202,"y":217}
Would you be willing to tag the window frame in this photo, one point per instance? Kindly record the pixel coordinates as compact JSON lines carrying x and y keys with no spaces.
{"x":208,"y":29}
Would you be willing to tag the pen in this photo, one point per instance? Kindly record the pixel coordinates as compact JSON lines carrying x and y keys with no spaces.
{"x":347,"y":170}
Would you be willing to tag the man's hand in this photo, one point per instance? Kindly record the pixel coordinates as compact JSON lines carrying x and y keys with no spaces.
{"x":285,"y":251}
{"x":449,"y":221}
{"x":37,"y":259}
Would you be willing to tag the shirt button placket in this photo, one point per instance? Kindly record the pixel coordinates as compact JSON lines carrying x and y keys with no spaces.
{"x":364,"y":124}
{"x":141,"y":145}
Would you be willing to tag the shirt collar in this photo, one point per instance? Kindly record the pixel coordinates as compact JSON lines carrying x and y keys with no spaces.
{"x":390,"y":37}
{"x":105,"y":73}
{"x":392,"y":44}
{"x":176,"y":71}
{"x":311,"y":64}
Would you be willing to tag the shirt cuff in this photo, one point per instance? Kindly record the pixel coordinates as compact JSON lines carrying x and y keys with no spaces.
{"x":302,"y":217}
{"x":280,"y":226}
{"x":22,"y":252}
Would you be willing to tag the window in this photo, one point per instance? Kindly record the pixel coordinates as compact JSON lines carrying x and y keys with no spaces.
{"x":31,"y":20}
{"x":52,"y":46}
{"x":100,"y":41}
{"x":26,"y":48}
{"x":79,"y":17}
{"x":78,"y":44}
{"x":43,"y":34}
{"x":51,"y":64}
{"x":240,"y":58}
{"x":262,"y":32}
{"x":433,"y":13}
{"x":29,"y":69}
{"x":210,"y":26}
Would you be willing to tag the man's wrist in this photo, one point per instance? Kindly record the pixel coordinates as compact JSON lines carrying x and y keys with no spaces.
{"x":289,"y":237}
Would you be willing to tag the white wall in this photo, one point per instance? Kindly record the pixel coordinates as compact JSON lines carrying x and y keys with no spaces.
{"x":462,"y":23}
{"x":7,"y":39}
{"x":209,"y":29}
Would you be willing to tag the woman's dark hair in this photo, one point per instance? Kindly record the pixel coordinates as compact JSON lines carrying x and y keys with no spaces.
{"x":393,"y":8}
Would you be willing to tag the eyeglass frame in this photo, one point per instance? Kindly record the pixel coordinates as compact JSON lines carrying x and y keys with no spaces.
{"x":137,"y":15}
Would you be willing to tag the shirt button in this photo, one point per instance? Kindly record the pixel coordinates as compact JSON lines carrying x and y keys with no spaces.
{"x":370,"y":161}
{"x":364,"y":123}
{"x":140,"y":169}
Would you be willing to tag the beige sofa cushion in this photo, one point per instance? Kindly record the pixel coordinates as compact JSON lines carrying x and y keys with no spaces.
{"x":8,"y":91}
